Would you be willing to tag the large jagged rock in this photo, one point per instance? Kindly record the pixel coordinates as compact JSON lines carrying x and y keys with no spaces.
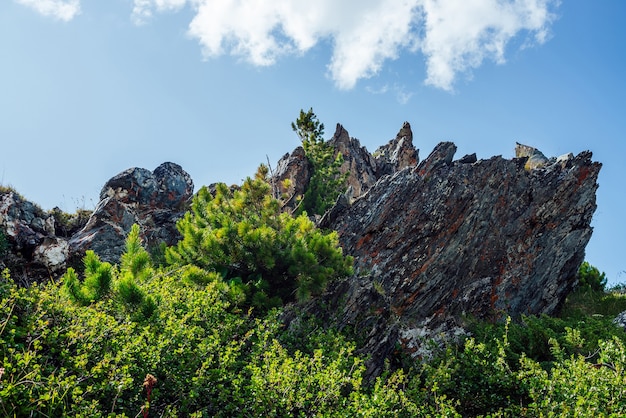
{"x":153,"y":199}
{"x":37,"y":245}
{"x":447,"y":240}
{"x":358,"y":163}
{"x":363,"y":169}
{"x":295,"y":168}
{"x":398,"y":153}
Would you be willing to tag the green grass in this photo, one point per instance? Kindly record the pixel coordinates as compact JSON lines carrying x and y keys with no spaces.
{"x":586,"y":302}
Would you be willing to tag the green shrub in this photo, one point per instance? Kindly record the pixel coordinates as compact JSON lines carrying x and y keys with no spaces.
{"x":577,"y":387}
{"x":102,"y":279}
{"x":97,"y":282}
{"x":589,"y":277}
{"x":269,"y":256}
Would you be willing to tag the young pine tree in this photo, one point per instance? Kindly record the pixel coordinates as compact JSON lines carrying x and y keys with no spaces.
{"x":103,"y":279}
{"x":244,"y":238}
{"x":326,"y":182}
{"x":97,"y":283}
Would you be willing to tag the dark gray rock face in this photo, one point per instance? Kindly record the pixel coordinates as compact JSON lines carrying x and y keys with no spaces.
{"x":153,"y":199}
{"x":444,"y":240}
{"x":297,"y":170}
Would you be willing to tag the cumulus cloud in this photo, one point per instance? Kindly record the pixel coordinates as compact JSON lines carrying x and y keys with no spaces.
{"x":64,"y":10}
{"x":454,"y":36}
{"x":460,"y":34}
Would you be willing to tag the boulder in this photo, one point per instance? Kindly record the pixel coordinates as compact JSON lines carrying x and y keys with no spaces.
{"x":296,"y":169}
{"x":153,"y":199}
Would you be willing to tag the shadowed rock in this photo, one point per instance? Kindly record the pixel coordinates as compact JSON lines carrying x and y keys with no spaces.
{"x":445,"y":240}
{"x":27,"y":243}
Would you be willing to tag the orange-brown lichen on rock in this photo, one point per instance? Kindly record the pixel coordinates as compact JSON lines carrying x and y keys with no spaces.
{"x":480,"y":238}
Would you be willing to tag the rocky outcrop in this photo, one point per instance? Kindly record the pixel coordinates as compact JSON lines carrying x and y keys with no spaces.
{"x":447,"y":240}
{"x":534,"y":157}
{"x":358,"y":163}
{"x":30,"y":249}
{"x":363,"y":169}
{"x":37,"y":245}
{"x":398,"y":153}
{"x":153,"y":199}
{"x":434,"y":242}
{"x":296,"y":170}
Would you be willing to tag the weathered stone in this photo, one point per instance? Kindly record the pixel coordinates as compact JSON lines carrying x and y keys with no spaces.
{"x":26,"y":230}
{"x":296,"y":169}
{"x":447,"y":240}
{"x":620,"y":320}
{"x":535,"y":157}
{"x":565,"y":159}
{"x":441,"y":155}
{"x":468,"y":159}
{"x":22,"y":221}
{"x":398,"y":153}
{"x":358,"y":163}
{"x":52,"y":253}
{"x":154,"y":200}
{"x":363,"y":169}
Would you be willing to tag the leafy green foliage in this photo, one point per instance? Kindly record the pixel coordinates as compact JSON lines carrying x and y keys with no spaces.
{"x":326,"y":182}
{"x":589,"y":277}
{"x":65,"y":359}
{"x":577,"y":387}
{"x":70,"y":359}
{"x":266,"y":256}
{"x":478,"y":374}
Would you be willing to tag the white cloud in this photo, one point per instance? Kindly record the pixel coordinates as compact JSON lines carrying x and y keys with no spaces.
{"x":402,"y":94}
{"x":142,"y":9}
{"x":455,"y":36}
{"x":64,"y":10}
{"x":459,"y":34}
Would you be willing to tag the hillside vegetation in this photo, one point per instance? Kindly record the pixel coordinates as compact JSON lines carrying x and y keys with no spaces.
{"x":195,"y":331}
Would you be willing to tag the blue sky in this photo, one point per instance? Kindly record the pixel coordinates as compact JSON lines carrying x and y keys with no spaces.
{"x":91,"y":88}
